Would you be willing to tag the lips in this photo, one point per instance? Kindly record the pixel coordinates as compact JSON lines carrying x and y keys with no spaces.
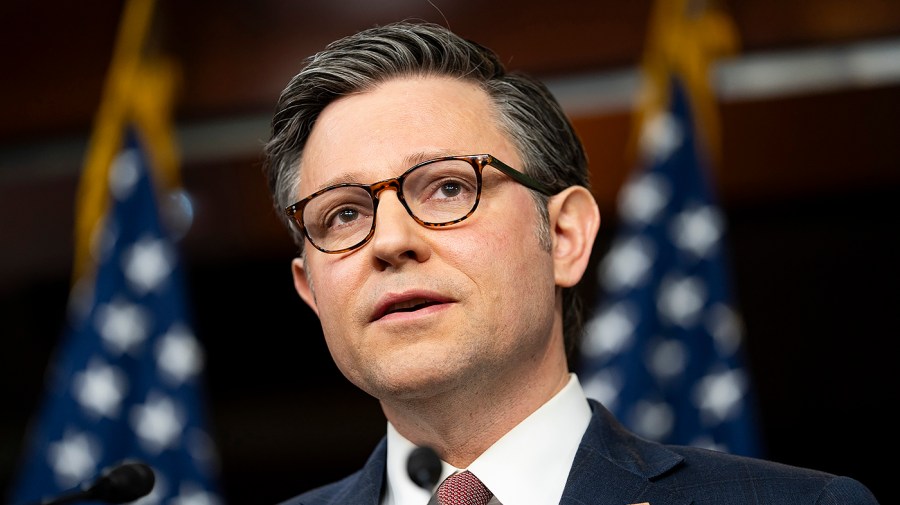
{"x":406,"y":302}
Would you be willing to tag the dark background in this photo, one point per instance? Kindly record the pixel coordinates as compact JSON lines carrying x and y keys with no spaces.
{"x":809,"y":181}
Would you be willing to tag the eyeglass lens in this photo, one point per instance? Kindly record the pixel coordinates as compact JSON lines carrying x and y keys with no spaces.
{"x":435,"y":193}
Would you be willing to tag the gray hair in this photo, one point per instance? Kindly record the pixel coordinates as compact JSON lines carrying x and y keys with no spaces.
{"x":530,"y":116}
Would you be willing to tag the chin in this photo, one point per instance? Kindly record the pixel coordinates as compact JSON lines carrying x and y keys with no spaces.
{"x":409,"y":383}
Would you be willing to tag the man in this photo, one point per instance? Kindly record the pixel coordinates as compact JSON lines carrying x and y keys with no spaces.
{"x":443,"y":214}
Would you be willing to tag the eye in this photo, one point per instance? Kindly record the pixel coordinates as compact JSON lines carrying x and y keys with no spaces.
{"x":343,"y":216}
{"x":449,"y":189}
{"x":441,"y":191}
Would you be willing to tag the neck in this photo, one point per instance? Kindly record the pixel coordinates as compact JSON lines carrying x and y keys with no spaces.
{"x":463,"y":422}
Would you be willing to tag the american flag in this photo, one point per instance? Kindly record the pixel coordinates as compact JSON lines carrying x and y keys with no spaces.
{"x":126,"y":380}
{"x":663,"y":349}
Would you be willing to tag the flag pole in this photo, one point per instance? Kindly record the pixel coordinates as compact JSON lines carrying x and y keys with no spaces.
{"x":684,"y":38}
{"x":126,"y":383}
{"x":106,"y":137}
{"x":665,"y":336}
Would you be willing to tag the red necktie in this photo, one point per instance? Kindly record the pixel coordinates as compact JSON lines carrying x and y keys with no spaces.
{"x":463,"y":488}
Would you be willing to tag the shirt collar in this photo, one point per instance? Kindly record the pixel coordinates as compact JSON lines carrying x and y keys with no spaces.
{"x":528,"y":465}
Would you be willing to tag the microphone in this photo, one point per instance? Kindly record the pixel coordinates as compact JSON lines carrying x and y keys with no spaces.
{"x":424,"y":467}
{"x":123,"y":483}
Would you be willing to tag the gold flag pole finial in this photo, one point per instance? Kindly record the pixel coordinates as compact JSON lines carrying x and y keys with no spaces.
{"x":139,"y":90}
{"x":684,"y":38}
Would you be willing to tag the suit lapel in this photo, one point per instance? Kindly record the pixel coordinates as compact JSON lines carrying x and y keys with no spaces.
{"x":365,"y":486}
{"x":612,"y":466}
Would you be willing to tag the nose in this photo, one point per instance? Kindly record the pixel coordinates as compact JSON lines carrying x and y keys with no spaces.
{"x":398,"y":237}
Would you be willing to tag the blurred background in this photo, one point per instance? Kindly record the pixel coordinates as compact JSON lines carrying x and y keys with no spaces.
{"x":809,"y":182}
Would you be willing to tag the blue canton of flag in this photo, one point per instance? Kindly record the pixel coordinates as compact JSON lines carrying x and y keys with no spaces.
{"x":125,"y":383}
{"x":663,"y":350}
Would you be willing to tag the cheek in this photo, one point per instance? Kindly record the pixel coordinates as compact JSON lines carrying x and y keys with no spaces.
{"x":518,"y":262}
{"x":334,"y":288}
{"x":336,"y":313}
{"x":500,"y":259}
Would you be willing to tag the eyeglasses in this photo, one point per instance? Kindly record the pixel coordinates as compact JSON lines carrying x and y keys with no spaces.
{"x":435,"y":193}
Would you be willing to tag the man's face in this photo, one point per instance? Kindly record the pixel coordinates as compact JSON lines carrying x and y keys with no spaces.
{"x":416,"y":312}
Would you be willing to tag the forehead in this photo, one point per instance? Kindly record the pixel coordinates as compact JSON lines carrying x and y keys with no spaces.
{"x":378,"y":133}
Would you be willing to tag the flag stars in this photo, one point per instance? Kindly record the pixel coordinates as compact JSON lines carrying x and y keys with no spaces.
{"x":99,"y":389}
{"x":661,"y":136}
{"x":178,"y":355}
{"x":628,"y":263}
{"x":681,"y":299}
{"x":604,"y":386}
{"x":126,"y":385}
{"x":125,"y":174}
{"x":667,"y":359}
{"x":726,"y":328}
{"x":74,"y":458}
{"x":697,"y":229}
{"x":653,"y":420}
{"x":122,"y":325}
{"x":719,"y":395}
{"x":610,"y":331}
{"x":192,"y":494}
{"x":643,"y":198}
{"x":158,"y":423}
{"x":200,"y":446}
{"x":663,"y":337}
{"x":147,"y":263}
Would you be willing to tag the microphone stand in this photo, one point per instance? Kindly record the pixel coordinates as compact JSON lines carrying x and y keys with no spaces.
{"x":123,"y":483}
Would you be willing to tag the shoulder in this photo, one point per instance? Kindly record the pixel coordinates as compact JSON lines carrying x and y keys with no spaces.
{"x":682,"y":474}
{"x":710,"y":473}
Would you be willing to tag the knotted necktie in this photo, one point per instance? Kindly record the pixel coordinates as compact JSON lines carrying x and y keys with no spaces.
{"x":463,"y":488}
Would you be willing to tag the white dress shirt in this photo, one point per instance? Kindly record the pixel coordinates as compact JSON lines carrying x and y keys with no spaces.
{"x":527,"y":466}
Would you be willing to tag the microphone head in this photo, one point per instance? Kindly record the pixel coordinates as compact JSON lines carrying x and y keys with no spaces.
{"x":424,"y":467}
{"x":123,"y":483}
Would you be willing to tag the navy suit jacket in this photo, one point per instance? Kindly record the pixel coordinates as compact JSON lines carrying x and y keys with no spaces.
{"x":615,"y":467}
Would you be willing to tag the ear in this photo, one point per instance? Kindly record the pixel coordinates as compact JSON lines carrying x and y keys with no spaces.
{"x":303,"y":285}
{"x":574,"y":221}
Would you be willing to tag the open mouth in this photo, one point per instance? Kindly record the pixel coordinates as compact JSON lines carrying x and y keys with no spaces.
{"x":411,"y":303}
{"x":409,"y":306}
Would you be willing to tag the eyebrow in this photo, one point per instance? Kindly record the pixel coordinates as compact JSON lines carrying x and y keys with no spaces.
{"x":419,"y":157}
{"x":409,"y":161}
